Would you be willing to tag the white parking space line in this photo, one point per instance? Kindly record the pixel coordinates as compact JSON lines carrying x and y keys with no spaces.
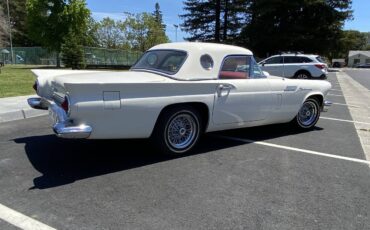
{"x":354,"y":106}
{"x":295,"y":149}
{"x":336,"y":90}
{"x":350,"y":121}
{"x":334,"y":95}
{"x":21,"y":221}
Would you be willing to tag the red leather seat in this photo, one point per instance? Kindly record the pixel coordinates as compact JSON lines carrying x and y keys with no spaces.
{"x":233,"y":75}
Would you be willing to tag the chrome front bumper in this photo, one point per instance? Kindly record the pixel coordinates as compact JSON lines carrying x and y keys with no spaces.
{"x":327,"y":103}
{"x":62,"y":126}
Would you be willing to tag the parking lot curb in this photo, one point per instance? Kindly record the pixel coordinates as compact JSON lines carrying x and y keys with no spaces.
{"x":21,"y":114}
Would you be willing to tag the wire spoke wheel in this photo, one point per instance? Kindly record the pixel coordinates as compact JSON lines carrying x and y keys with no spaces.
{"x":308,"y":114}
{"x":181,"y":131}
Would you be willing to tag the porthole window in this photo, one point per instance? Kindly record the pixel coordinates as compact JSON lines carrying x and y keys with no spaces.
{"x":206,"y":61}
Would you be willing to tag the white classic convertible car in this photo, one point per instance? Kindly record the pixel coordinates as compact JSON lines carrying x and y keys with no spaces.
{"x":173,"y":94}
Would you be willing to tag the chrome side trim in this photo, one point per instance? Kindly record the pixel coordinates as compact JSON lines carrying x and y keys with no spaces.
{"x":38,"y":103}
{"x":290,"y":88}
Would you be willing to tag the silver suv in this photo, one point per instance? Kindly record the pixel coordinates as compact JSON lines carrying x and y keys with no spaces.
{"x":302,"y":66}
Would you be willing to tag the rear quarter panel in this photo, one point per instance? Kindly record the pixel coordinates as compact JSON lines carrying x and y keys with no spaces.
{"x":139,"y":105}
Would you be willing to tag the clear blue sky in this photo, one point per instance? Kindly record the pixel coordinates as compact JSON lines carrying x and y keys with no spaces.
{"x":361,"y":14}
{"x":115,"y":8}
{"x":172,"y":8}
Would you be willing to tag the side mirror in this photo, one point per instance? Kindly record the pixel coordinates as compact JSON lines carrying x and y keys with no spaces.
{"x":266,"y":73}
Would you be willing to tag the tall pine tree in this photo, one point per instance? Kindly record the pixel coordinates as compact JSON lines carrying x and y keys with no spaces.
{"x":311,"y":26}
{"x":157,"y":14}
{"x":214,"y":20}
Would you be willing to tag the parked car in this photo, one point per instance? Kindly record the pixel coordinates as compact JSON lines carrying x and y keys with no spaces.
{"x":173,"y":94}
{"x":301,"y":66}
{"x":363,"y":66}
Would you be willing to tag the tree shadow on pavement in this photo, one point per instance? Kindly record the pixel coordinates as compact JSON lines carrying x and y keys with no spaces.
{"x":62,"y":161}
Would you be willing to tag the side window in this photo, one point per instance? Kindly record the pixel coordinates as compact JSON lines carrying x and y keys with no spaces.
{"x":274,"y":60}
{"x":235,"y":67}
{"x":291,"y":59}
{"x":305,"y":60}
{"x":256,"y":70}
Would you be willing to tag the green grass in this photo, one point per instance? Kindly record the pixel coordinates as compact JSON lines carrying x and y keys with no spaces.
{"x":16,"y":80}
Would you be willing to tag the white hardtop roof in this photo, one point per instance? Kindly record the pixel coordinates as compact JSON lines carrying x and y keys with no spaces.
{"x":203,"y":47}
{"x":356,"y":52}
{"x":192,"y":69}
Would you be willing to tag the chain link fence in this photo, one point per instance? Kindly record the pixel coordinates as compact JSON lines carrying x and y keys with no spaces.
{"x":94,"y":57}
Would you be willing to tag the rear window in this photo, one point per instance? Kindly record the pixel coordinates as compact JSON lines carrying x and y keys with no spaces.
{"x":320,"y":59}
{"x":167,"y":61}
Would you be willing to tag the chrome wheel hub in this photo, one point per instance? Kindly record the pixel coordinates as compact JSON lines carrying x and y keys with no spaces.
{"x":181,"y":131}
{"x":308,"y":113}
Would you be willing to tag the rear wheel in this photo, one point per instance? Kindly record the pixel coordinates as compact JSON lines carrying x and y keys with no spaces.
{"x":308,"y":115}
{"x":177,"y":130}
{"x":302,"y":75}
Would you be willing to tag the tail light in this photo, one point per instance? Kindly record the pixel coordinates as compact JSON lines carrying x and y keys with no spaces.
{"x":65,"y":104}
{"x":320,"y":66}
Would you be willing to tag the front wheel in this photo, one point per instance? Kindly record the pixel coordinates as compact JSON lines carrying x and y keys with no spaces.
{"x":308,"y":115}
{"x":178,"y":130}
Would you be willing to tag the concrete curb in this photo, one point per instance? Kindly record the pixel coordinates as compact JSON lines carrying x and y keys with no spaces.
{"x":17,"y":108}
{"x":21,"y":114}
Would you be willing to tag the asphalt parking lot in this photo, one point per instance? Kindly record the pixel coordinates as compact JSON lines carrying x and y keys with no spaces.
{"x":258,"y":178}
{"x":362,"y":76}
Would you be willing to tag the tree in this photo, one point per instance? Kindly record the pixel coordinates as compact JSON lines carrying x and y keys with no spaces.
{"x":214,"y":20}
{"x":304,"y":25}
{"x":350,"y":40}
{"x":4,"y":29}
{"x":159,"y":16}
{"x":109,"y":34}
{"x":142,"y":31}
{"x":18,"y":21}
{"x":72,"y":52}
{"x":91,"y":37}
{"x":50,"y":21}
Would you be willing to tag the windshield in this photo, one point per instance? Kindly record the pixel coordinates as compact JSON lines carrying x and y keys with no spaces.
{"x":167,"y":61}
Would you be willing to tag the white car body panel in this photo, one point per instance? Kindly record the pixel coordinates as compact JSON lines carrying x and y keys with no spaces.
{"x":128,"y":104}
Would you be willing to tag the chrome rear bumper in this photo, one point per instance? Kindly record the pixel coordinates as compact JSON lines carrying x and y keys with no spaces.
{"x":72,"y":132}
{"x":62,"y":126}
{"x":38,"y":103}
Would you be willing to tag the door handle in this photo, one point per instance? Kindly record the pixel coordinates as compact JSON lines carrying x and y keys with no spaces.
{"x":222,"y":87}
